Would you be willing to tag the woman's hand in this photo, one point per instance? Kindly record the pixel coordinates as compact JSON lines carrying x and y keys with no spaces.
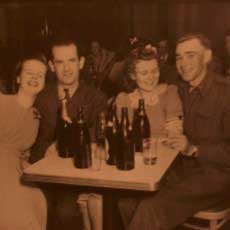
{"x":182,"y":145}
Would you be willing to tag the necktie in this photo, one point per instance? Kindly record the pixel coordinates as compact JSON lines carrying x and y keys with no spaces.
{"x":66,"y":95}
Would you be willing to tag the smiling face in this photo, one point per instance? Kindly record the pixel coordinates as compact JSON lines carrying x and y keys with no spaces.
{"x":31,"y":79}
{"x":191,"y":60}
{"x":66,"y":64}
{"x":146,"y":74}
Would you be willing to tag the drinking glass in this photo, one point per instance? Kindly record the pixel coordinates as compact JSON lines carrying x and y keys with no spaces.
{"x":150,"y":147}
{"x":98,"y":156}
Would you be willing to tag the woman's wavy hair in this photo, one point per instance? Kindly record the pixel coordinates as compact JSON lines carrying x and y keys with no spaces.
{"x":26,"y":56}
{"x":144,"y":52}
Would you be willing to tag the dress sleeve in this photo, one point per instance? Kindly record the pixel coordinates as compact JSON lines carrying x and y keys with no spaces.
{"x":122,"y":100}
{"x":173,"y":106}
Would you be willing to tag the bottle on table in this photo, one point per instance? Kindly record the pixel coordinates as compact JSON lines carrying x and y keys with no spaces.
{"x":112,"y":134}
{"x":64,"y":130}
{"x":141,"y":126}
{"x":81,"y":143}
{"x":100,"y":130}
{"x":125,"y":155}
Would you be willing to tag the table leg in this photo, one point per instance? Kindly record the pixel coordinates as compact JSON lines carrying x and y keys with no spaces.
{"x":111,"y":217}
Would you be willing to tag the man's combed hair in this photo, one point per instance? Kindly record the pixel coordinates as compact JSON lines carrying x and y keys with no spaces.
{"x":64,"y":39}
{"x":204,"y":41}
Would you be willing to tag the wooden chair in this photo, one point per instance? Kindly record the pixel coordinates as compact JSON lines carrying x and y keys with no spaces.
{"x":216,"y":218}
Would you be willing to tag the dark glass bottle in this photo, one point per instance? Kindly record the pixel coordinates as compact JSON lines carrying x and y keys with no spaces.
{"x":64,"y":131}
{"x":112,"y":134}
{"x":100,"y":130}
{"x":141,"y":126}
{"x":81,"y":144}
{"x":125,"y":155}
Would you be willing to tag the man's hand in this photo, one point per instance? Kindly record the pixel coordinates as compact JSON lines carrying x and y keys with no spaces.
{"x":178,"y":142}
{"x":182,"y":145}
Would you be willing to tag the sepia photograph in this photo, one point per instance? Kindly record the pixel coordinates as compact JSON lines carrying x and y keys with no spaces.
{"x":115,"y":115}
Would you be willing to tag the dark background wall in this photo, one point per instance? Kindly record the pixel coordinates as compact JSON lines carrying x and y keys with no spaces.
{"x":23,"y":22}
{"x":113,"y":20}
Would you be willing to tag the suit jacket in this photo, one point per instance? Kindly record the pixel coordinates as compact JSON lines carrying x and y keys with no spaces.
{"x":92,"y":101}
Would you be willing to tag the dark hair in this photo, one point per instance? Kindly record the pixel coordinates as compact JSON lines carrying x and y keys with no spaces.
{"x":142,"y":53}
{"x":29,"y":55}
{"x":204,"y":41}
{"x":65,"y":39}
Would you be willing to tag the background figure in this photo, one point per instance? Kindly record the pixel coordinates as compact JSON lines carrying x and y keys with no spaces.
{"x":98,"y":65}
{"x":167,"y":66}
{"x":65,"y":62}
{"x":23,"y":207}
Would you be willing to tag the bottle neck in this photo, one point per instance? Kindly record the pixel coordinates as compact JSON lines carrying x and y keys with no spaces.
{"x":141,"y":107}
{"x":125,"y":125}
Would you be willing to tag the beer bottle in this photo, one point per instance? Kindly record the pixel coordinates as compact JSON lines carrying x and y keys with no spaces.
{"x":112,"y":134}
{"x":100,"y":130}
{"x":81,"y":145}
{"x":125,"y":155}
{"x":141,"y":126}
{"x":64,"y":129}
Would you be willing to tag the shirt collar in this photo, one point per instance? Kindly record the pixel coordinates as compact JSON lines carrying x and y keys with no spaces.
{"x":203,"y":87}
{"x":71,"y":89}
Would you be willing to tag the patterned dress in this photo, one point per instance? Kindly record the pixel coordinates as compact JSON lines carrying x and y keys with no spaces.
{"x":22,"y":207}
{"x":162,"y":105}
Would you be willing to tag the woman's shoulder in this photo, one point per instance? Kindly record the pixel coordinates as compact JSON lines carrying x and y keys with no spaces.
{"x":5,"y":98}
{"x":7,"y":101}
{"x":167,"y":90}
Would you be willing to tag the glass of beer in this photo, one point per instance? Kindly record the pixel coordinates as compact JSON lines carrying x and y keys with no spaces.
{"x":150,"y":146}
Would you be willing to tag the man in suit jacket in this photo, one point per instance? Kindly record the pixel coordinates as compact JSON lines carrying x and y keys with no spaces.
{"x":66,"y":62}
{"x":201,"y":177}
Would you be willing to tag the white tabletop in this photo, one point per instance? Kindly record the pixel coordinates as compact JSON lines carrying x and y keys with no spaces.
{"x":53,"y":169}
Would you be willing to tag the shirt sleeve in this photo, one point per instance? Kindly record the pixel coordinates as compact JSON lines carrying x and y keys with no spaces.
{"x":219,"y":153}
{"x":44,"y":139}
{"x":46,"y":135}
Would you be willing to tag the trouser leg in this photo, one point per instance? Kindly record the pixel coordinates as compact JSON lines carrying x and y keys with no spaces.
{"x":67,"y":212}
{"x":173,"y":204}
{"x":127,"y":207}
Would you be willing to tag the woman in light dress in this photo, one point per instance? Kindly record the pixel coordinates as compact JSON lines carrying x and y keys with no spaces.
{"x":162,"y":102}
{"x":22,"y":207}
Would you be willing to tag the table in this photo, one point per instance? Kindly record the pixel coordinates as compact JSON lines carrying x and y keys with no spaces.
{"x":53,"y":169}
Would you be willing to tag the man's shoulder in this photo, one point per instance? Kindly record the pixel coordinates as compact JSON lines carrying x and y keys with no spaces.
{"x":220,"y":80}
{"x":47,"y":95}
{"x":222,"y":87}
